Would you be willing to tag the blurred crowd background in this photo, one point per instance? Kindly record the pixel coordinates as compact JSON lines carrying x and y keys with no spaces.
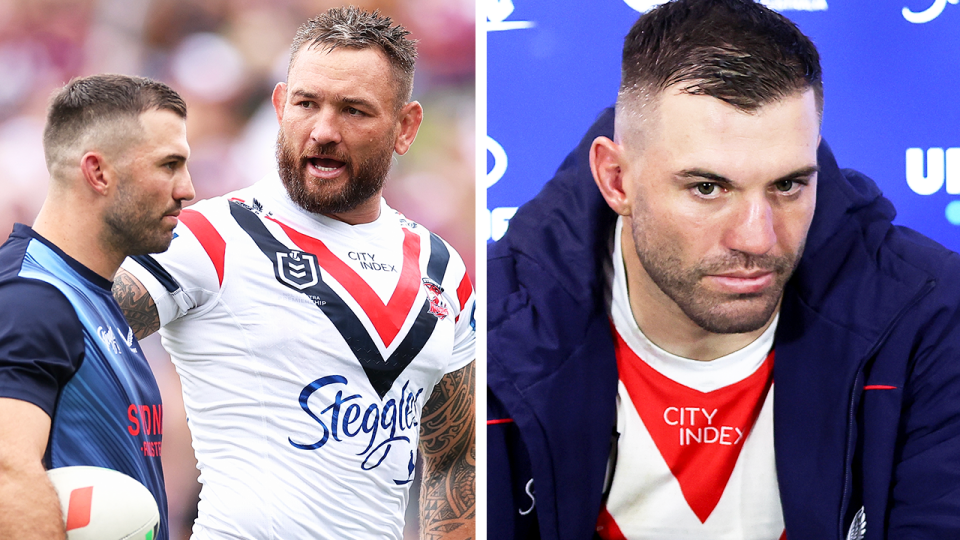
{"x":224,"y":57}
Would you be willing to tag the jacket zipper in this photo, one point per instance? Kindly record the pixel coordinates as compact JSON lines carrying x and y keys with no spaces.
{"x":851,"y":415}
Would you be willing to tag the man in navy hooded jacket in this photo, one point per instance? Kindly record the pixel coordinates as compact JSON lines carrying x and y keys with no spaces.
{"x":641,"y":323}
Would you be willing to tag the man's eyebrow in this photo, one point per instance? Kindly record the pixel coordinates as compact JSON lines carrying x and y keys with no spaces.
{"x":305,"y":94}
{"x":346,"y":100}
{"x":805,"y":172}
{"x":697,"y":173}
{"x":174,"y":157}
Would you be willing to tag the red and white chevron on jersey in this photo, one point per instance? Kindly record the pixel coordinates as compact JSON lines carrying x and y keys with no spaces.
{"x":307,"y":348}
{"x":694,"y":457}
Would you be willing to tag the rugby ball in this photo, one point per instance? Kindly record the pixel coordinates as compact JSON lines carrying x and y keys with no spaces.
{"x":104,"y":504}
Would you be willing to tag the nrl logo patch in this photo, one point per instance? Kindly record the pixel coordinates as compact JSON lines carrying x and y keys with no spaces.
{"x":434,"y":290}
{"x":297,"y":269}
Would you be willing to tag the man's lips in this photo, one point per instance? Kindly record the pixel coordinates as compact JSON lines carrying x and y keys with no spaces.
{"x":172,"y":216}
{"x":325,"y":167}
{"x":742,"y":282}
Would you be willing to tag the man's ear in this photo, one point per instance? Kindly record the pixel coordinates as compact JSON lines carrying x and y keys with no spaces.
{"x":605,"y":160}
{"x":93,"y":169}
{"x":279,"y":99}
{"x":411,"y":115}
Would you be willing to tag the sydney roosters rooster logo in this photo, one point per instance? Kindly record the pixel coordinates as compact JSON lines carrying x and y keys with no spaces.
{"x":434,"y":290}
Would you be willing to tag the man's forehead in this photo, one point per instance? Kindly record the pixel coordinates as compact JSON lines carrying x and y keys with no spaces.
{"x":683,"y":132}
{"x":357,"y":73}
{"x":678,"y":109}
{"x":163,"y":132}
{"x":324,"y":56}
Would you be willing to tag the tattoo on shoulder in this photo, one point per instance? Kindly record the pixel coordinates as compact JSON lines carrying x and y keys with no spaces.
{"x":448,"y":445}
{"x":137,"y":304}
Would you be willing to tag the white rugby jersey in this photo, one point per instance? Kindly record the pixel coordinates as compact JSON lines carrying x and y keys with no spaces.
{"x":694,"y":459}
{"x":307,"y":348}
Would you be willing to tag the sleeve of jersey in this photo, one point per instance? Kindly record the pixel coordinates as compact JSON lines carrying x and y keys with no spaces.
{"x":464,"y":344}
{"x":187,"y":277}
{"x":40,"y":347}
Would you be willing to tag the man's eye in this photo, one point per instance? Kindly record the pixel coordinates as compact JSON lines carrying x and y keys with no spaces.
{"x":785,"y":186}
{"x":353,"y":111}
{"x":304,"y":104}
{"x":706,"y":188}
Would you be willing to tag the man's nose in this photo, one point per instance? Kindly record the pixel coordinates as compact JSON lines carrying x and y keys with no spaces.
{"x":752,"y":228}
{"x":183,"y":190}
{"x":326,"y":127}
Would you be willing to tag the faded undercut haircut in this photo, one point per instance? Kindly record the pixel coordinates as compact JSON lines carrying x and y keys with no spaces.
{"x":737,"y":51}
{"x":353,"y":28}
{"x":101,"y":112}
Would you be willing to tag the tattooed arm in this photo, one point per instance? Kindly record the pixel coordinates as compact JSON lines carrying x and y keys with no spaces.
{"x":136,"y":303}
{"x":448,"y":496}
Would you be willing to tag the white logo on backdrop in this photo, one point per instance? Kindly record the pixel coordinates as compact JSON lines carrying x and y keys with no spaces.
{"x":942,"y":167}
{"x":931,"y":13}
{"x":497,"y":13}
{"x":779,"y":5}
{"x":643,"y":5}
{"x":497,"y":218}
{"x":499,"y":162}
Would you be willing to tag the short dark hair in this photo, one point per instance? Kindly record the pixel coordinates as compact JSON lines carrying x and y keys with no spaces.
{"x":737,"y":51}
{"x":99,"y":106}
{"x":353,"y":28}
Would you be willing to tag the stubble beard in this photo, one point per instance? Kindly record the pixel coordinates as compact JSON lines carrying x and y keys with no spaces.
{"x":132,"y":228}
{"x":713,"y":311}
{"x":365,"y":177}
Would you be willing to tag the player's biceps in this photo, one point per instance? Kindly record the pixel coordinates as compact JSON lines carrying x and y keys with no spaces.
{"x":448,"y":421}
{"x":24,"y":430}
{"x":136,"y":303}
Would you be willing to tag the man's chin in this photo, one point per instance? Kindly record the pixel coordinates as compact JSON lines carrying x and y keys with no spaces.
{"x":738,"y":316}
{"x":157,"y":245}
{"x":315,"y":187}
{"x":164,"y":244}
{"x":325,"y":201}
{"x":157,"y":240}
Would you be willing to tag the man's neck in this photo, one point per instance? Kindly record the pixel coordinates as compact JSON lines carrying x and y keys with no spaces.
{"x":663,"y":322}
{"x":366,"y":212}
{"x":78,"y":234}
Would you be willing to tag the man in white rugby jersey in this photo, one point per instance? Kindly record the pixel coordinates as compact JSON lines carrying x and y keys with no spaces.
{"x":323,"y":339}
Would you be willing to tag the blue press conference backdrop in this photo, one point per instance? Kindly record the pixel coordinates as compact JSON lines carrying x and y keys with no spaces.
{"x":891,"y":79}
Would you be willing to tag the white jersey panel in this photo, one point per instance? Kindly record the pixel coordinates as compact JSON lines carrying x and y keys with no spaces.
{"x":464,"y":348}
{"x":295,"y":436}
{"x":203,"y":286}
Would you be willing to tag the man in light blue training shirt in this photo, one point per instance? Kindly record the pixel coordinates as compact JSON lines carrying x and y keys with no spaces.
{"x":75,"y":388}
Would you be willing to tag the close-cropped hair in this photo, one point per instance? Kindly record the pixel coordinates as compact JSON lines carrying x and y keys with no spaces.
{"x":101,"y":112}
{"x":738,"y":51}
{"x":353,"y":28}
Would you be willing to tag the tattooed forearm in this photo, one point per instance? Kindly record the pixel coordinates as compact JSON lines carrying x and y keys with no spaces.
{"x":448,"y":497}
{"x":136,"y":303}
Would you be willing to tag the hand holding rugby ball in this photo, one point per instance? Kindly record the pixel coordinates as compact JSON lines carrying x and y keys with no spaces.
{"x":103,"y":504}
